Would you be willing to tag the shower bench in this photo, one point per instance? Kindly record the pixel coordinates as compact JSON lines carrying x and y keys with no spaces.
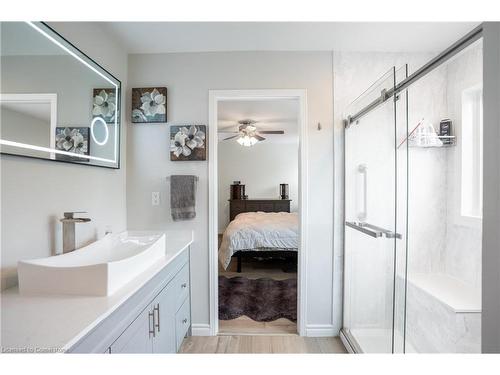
{"x":443,"y":314}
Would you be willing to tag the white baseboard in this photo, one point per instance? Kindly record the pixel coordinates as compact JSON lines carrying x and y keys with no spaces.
{"x":321,"y":330}
{"x":200,"y":329}
{"x":312,"y":330}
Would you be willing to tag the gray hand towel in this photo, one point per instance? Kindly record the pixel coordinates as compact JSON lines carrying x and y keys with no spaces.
{"x":182,"y":197}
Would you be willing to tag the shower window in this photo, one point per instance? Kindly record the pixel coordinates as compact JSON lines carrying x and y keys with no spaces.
{"x":472,"y":153}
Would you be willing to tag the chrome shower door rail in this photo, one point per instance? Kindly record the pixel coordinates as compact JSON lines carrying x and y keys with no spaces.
{"x":444,"y":56}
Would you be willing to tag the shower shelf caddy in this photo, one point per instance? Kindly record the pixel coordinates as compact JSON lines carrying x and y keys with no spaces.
{"x":448,"y":141}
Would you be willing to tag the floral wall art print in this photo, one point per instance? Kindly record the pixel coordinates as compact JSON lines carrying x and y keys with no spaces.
{"x":188,"y":143}
{"x":104,"y":104}
{"x":72,"y":139}
{"x":149,"y":105}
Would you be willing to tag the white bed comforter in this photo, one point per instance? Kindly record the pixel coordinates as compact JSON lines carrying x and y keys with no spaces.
{"x":259,"y":231}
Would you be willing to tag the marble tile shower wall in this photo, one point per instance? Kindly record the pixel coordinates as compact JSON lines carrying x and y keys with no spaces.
{"x":461,"y":256}
{"x":427,"y":182}
{"x":438,"y":240}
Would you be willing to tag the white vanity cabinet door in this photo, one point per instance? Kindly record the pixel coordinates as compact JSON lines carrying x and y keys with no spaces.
{"x":137,"y":338}
{"x":182,"y":286}
{"x":164,"y":317}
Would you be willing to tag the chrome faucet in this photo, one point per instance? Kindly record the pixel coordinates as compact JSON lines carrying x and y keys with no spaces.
{"x":69,"y":229}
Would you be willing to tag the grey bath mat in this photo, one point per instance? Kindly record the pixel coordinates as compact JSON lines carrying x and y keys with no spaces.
{"x":262,"y":300}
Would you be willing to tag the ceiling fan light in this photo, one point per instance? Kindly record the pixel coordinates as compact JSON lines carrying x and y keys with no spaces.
{"x":247,"y":141}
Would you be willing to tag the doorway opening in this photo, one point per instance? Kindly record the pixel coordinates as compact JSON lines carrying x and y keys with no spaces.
{"x":257,"y":178}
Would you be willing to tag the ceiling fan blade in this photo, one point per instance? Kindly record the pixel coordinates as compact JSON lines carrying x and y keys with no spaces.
{"x":272,"y":131}
{"x":259,"y":138}
{"x":234,"y":136}
{"x":227,"y":129}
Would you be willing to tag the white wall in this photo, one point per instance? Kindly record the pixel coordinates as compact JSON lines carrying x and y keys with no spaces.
{"x":189,"y":77}
{"x":35,"y":193}
{"x":261,"y":168}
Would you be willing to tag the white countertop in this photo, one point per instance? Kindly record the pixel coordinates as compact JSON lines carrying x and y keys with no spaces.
{"x":52,"y":323}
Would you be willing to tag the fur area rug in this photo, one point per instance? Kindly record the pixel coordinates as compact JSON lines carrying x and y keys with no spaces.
{"x":262,"y":300}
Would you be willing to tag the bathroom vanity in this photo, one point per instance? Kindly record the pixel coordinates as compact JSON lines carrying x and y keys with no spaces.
{"x":149,"y":314}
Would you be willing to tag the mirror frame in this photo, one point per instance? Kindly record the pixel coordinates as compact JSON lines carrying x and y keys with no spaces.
{"x":86,"y":60}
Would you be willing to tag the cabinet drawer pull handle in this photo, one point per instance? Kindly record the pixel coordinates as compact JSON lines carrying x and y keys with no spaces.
{"x":184,"y":285}
{"x":151,"y":316}
{"x":185,"y":321}
{"x":157,"y":319}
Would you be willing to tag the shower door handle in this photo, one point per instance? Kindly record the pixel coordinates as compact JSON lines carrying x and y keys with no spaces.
{"x":391,"y":234}
{"x":362,"y":192}
{"x":361,"y":227}
{"x":372,"y":230}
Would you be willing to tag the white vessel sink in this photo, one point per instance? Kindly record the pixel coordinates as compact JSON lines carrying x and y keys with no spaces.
{"x":99,"y":269}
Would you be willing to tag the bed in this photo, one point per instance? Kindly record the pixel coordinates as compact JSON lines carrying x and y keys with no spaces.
{"x":260,"y":234}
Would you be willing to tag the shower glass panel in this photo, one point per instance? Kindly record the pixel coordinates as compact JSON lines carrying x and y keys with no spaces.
{"x":413,"y":193}
{"x":401,"y":212}
{"x":371,"y":234}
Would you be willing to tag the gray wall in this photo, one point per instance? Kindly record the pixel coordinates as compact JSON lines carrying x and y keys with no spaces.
{"x":36,"y":192}
{"x":490,"y":325}
{"x":189,"y":77}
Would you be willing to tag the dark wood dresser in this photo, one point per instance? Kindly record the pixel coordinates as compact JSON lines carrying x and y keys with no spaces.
{"x":237,"y":206}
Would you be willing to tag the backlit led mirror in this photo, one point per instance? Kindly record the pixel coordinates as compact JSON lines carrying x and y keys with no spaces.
{"x":56,"y":103}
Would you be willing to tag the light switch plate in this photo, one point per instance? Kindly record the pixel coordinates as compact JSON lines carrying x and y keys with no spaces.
{"x":155,"y":198}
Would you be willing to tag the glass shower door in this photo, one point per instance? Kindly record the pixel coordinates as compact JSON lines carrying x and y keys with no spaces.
{"x":370,"y":223}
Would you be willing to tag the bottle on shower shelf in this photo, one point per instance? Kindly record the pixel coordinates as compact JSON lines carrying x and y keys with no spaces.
{"x":446,"y":130}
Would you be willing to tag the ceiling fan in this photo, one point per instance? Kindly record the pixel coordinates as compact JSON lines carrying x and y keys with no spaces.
{"x":248,"y":134}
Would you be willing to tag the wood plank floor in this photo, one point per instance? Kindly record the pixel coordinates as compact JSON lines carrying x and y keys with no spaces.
{"x":261,"y":344}
{"x":247,"y":326}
